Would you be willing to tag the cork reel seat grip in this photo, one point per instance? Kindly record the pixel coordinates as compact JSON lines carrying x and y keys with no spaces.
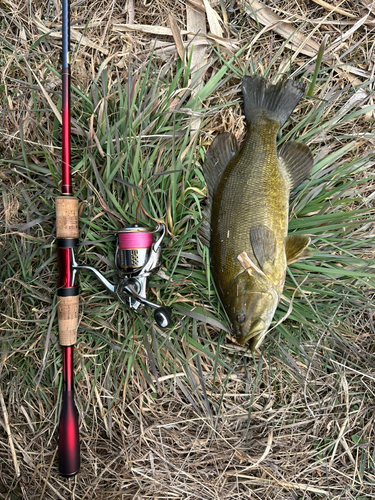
{"x":68,"y":296}
{"x":67,"y":219}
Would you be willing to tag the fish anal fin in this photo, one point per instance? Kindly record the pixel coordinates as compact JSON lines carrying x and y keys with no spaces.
{"x":296,"y":248}
{"x":219,"y":154}
{"x":298,"y":161}
{"x":263,"y":242}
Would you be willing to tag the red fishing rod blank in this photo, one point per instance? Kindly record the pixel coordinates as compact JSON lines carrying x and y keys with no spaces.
{"x":67,"y":294}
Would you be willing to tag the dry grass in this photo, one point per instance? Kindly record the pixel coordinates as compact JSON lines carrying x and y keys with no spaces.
{"x":163,"y":415}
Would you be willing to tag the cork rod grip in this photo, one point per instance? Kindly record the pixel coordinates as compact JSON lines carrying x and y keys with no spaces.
{"x":67,"y":217}
{"x":67,"y":312}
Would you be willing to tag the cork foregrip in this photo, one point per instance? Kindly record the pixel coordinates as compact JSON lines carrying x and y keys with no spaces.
{"x":67,"y":217}
{"x":67,"y":312}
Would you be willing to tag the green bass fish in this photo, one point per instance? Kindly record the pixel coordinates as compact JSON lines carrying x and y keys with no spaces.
{"x":246,"y":218}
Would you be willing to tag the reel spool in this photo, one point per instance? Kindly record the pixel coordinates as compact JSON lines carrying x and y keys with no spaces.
{"x":133,"y":247}
{"x":137,"y":256}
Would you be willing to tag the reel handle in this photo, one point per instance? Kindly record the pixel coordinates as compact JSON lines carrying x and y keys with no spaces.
{"x":163,"y":316}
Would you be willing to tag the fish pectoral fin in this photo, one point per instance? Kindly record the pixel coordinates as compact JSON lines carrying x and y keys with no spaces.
{"x":296,"y":248}
{"x":219,"y":154}
{"x":298,"y":161}
{"x":263,"y":242}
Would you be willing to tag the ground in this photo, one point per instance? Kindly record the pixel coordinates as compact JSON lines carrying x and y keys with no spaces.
{"x":186,"y":413}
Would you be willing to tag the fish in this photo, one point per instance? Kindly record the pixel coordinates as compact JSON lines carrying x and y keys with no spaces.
{"x":245,"y":222}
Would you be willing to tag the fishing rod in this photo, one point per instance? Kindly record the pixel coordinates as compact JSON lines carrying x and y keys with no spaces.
{"x":138,"y":252}
{"x":67,"y":293}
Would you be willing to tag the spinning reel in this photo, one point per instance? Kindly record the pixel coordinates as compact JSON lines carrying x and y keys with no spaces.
{"x":137,"y":256}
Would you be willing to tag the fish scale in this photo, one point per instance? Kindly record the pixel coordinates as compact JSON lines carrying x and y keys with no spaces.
{"x":246,"y":219}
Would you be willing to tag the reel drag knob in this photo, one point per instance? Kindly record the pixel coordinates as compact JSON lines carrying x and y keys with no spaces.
{"x":163,"y":316}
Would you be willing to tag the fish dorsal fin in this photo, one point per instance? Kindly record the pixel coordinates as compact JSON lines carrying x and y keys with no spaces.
{"x":263,"y":242}
{"x":298,"y":161}
{"x":296,"y":248}
{"x":219,"y":154}
{"x":204,"y":231}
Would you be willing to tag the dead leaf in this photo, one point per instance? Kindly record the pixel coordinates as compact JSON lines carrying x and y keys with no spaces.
{"x":198,"y":5}
{"x":196,"y":23}
{"x":265,"y":16}
{"x":213,"y":19}
{"x":74,"y":34}
{"x":177,"y":36}
{"x":298,"y":42}
{"x":328,"y":6}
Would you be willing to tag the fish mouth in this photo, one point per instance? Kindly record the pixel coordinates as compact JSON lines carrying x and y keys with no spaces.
{"x":256,"y":341}
{"x":256,"y":329}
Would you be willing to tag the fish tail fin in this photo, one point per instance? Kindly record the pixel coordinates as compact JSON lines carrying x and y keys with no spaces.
{"x":275,"y":101}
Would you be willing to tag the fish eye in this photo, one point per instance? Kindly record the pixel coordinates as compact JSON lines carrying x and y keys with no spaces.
{"x":241,"y":317}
